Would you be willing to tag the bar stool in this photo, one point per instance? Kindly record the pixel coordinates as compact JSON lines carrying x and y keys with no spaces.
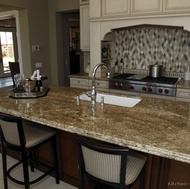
{"x":25,"y":137}
{"x":15,"y":69}
{"x":107,"y":165}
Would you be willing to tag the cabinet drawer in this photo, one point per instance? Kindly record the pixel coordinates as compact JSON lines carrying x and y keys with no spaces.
{"x":183,"y":93}
{"x":79,"y":83}
{"x":82,"y":2}
{"x":100,"y":85}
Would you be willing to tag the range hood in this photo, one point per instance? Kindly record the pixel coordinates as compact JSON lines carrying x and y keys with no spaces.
{"x":103,"y":29}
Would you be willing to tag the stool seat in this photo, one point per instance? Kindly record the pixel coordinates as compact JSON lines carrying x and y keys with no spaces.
{"x":35,"y":135}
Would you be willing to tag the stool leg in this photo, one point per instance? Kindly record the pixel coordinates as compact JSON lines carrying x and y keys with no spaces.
{"x":25,"y":170}
{"x":4,"y":161}
{"x":31,"y":161}
{"x":54,"y":151}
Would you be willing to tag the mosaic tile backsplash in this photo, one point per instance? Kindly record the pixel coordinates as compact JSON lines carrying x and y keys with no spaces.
{"x":143,"y":46}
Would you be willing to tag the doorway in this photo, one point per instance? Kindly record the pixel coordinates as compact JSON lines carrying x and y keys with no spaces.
{"x":71,"y":45}
{"x":8,"y":46}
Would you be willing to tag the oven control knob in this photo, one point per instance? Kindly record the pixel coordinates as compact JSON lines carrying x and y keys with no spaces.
{"x":131,"y":87}
{"x":120,"y":86}
{"x":115,"y":85}
{"x":166,"y":91}
{"x":160,"y":90}
{"x":144,"y":88}
{"x":149,"y":89}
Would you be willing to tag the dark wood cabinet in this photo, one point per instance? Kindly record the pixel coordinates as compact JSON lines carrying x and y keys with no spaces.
{"x":68,"y":156}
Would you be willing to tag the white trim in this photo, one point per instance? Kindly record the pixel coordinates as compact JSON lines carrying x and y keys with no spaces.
{"x":15,"y":14}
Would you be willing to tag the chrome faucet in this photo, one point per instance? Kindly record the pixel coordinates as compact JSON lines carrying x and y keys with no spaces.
{"x":93,"y":91}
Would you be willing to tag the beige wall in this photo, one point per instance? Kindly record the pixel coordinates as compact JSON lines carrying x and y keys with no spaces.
{"x":38,"y":27}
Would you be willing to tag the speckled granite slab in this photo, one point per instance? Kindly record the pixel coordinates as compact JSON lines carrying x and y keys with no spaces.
{"x":156,"y":126}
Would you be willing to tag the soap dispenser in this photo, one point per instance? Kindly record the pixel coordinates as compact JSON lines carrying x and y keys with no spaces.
{"x":187,"y":74}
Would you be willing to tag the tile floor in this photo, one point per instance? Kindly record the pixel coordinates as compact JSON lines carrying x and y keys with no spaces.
{"x":47,"y":183}
{"x":6,"y":82}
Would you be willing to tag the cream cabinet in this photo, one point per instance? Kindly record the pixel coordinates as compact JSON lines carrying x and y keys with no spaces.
{"x":83,"y":2}
{"x":79,"y":83}
{"x":146,"y":6}
{"x":176,"y":5}
{"x":115,"y":7}
{"x":100,"y":85}
{"x":85,"y":83}
{"x":84,"y":28}
{"x":183,"y":95}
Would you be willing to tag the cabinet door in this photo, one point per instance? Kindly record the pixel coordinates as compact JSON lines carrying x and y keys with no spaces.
{"x":82,"y":2}
{"x":85,"y":28}
{"x":79,"y":83}
{"x":100,"y":85}
{"x":183,"y":95}
{"x":69,"y":159}
{"x":146,"y":6}
{"x":176,"y":5}
{"x":113,"y":7}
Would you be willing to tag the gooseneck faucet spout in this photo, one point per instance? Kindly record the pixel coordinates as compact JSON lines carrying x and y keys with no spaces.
{"x":93,"y":92}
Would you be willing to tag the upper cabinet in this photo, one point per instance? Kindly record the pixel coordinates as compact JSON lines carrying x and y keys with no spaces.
{"x":84,"y":28}
{"x":129,"y":8}
{"x":114,"y":8}
{"x":146,"y":6}
{"x":83,"y":2}
{"x":176,"y":5}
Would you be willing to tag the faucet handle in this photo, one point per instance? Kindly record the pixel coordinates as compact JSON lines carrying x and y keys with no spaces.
{"x":89,"y":93}
{"x":102,"y":100}
{"x":108,"y":75}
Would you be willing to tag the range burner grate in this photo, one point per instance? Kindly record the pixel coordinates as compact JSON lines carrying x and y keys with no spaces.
{"x":164,"y":80}
{"x":123,"y":76}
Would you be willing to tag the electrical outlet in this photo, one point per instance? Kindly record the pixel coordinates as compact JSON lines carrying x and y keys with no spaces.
{"x":38,"y":64}
{"x":35,"y":48}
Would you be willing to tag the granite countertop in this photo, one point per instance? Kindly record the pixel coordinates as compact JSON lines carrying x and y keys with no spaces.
{"x":156,"y":126}
{"x":183,"y":84}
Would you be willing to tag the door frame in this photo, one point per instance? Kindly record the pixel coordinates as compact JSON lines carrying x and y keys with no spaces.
{"x":63,"y":45}
{"x":13,"y":30}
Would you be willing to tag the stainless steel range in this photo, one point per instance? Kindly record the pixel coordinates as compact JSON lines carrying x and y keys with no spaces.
{"x":144,"y":84}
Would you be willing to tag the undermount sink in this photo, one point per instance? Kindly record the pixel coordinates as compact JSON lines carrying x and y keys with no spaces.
{"x":113,"y":99}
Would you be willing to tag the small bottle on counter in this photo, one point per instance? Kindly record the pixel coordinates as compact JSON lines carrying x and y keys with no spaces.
{"x":108,"y":51}
{"x":104,"y":52}
{"x":87,"y":69}
{"x":39,"y":86}
{"x":121,"y":66}
{"x":187,"y":74}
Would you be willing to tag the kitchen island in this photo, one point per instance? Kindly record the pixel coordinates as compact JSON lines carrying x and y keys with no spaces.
{"x":154,"y":126}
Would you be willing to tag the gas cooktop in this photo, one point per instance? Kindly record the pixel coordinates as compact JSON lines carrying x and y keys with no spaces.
{"x":143,"y":78}
{"x":145,"y":84}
